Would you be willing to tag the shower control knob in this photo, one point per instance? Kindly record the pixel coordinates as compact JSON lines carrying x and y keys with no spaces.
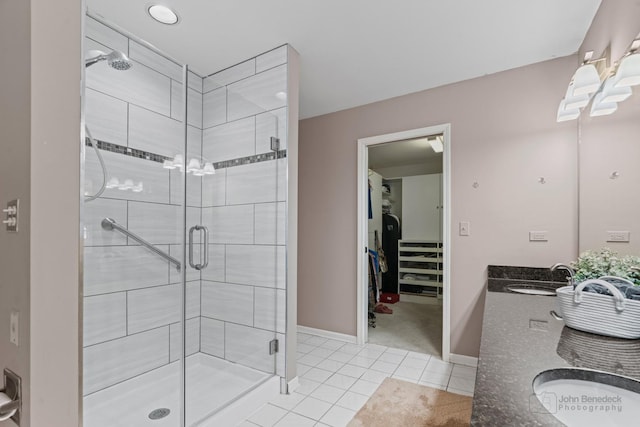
{"x":11,"y":222}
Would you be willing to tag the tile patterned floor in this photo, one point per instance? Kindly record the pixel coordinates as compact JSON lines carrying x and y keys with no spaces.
{"x":337,"y":379}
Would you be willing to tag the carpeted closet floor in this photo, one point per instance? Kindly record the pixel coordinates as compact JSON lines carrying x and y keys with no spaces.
{"x":412,"y":326}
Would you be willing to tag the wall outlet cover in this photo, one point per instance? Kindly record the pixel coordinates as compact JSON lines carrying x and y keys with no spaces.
{"x":618,"y":236}
{"x":538,"y":236}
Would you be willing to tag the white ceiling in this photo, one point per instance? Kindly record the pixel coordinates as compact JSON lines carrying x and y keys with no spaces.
{"x":355,"y":52}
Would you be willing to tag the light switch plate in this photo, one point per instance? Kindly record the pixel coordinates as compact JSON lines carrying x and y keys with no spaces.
{"x":465,"y":228}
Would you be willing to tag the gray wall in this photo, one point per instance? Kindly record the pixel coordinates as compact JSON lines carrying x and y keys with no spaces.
{"x":610,"y":143}
{"x":39,"y":123}
{"x":504,"y":142}
{"x":15,"y":176}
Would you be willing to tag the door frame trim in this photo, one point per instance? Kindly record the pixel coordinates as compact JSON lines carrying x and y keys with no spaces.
{"x":362,"y":225}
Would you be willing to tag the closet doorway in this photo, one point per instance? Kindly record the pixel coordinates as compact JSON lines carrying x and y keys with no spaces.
{"x":403,"y":235}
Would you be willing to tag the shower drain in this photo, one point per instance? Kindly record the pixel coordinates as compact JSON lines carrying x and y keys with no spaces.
{"x":159,"y":413}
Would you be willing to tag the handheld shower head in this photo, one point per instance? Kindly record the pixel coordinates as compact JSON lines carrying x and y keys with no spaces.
{"x":116,"y":59}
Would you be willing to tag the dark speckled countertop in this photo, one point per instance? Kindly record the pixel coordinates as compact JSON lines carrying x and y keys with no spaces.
{"x":520,"y":339}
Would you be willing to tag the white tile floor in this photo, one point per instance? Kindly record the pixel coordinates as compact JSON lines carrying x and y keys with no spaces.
{"x":337,"y":379}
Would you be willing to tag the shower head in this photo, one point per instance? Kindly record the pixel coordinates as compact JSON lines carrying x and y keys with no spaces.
{"x":116,"y":59}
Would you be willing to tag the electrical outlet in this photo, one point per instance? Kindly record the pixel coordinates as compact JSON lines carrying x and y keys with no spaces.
{"x":618,"y":236}
{"x":538,"y":325}
{"x":538,"y":236}
{"x":465,"y":228}
{"x":14,"y":327}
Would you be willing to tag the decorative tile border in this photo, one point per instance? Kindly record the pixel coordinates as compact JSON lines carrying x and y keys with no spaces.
{"x":140,"y":154}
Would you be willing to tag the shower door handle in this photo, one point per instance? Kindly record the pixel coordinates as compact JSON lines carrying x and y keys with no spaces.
{"x":206,"y":247}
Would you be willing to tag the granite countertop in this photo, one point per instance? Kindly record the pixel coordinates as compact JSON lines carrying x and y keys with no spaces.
{"x":520,"y":339}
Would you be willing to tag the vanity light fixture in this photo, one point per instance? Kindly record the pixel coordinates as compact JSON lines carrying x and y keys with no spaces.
{"x":602,"y":108}
{"x":584,"y":83}
{"x":628,"y":73}
{"x":565,"y":114}
{"x":163,"y":14}
{"x":194,"y":166}
{"x":586,"y":80}
{"x":573,"y":101}
{"x":209,"y":169}
{"x":610,"y":93}
{"x":606,"y":86}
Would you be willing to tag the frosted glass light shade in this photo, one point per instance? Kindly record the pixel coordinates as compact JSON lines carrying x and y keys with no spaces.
{"x":610,"y":93}
{"x":209,"y":169}
{"x":194,"y":165}
{"x":178,"y":161}
{"x":600,"y":108}
{"x":585,"y":80}
{"x":572,"y":101}
{"x":566,"y":115}
{"x":628,"y":72}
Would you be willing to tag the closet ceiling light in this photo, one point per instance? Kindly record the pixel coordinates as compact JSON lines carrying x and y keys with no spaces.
{"x":629,"y":71}
{"x":436,"y":144}
{"x":163,"y":14}
{"x":586,"y":80}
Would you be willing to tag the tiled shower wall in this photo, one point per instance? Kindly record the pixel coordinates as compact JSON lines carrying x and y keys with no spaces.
{"x":132,"y":297}
{"x":243,"y":295}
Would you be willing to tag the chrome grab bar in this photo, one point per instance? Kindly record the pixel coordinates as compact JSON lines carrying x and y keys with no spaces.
{"x":111,"y":224}
{"x":206,"y":247}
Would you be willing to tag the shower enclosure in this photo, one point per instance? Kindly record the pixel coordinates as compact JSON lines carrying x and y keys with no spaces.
{"x":184,"y":216}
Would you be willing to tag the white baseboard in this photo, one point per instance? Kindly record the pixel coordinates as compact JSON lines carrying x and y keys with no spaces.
{"x":328,"y":334}
{"x":463,"y":360}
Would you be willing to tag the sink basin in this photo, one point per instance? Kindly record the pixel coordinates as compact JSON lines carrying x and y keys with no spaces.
{"x":582,"y":397}
{"x":531,"y":289}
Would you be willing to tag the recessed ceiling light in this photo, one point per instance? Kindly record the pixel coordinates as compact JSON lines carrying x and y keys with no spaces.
{"x":163,"y":14}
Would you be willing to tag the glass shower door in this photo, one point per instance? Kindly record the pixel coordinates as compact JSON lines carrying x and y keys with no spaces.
{"x":134,"y":295}
{"x":184,"y":259}
{"x":243,"y":287}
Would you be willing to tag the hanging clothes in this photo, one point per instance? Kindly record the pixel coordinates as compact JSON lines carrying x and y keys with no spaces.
{"x":390,"y":235}
{"x":370,"y":208}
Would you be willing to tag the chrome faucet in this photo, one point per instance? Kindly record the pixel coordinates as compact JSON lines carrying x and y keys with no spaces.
{"x":571,"y":279}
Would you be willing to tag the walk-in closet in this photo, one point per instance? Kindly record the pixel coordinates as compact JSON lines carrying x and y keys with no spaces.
{"x":405,"y":244}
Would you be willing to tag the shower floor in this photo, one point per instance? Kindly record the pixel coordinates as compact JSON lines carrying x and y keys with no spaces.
{"x":211,"y":384}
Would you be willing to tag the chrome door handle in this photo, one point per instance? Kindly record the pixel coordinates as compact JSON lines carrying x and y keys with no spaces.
{"x":206,"y":247}
{"x":205,"y":263}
